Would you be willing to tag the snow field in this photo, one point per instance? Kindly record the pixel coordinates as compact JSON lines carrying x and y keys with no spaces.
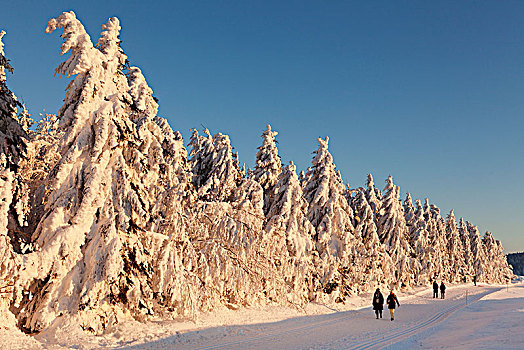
{"x":493,"y":317}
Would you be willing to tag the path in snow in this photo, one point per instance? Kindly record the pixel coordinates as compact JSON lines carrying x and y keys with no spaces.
{"x":494,"y":322}
{"x":342,"y":330}
{"x":493,"y":319}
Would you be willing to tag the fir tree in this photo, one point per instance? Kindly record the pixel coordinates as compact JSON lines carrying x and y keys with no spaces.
{"x":331,"y":215}
{"x":290,"y":232}
{"x":105,"y":194}
{"x":393,"y":233}
{"x":455,"y":252}
{"x":409,"y":212}
{"x":268,"y":166}
{"x":214,"y":166}
{"x":477,"y":252}
{"x":13,"y":150}
{"x":370,"y":254}
{"x":437,"y":240}
{"x":496,"y":268}
{"x":329,"y":211}
{"x":373,"y":196}
{"x":13,"y":139}
{"x":12,"y":135}
{"x":469,"y":270}
{"x":422,"y":250}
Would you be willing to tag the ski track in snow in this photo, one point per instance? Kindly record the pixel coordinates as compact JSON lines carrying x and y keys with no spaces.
{"x":324,"y":332}
{"x":393,"y":337}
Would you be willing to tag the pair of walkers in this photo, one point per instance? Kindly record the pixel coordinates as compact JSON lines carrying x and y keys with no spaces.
{"x":436,"y":288}
{"x":378,"y":303}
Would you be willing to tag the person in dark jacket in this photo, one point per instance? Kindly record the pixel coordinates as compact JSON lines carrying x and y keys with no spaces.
{"x":442,"y":290}
{"x":391,"y":301}
{"x":435,"y":289}
{"x":378,"y":303}
{"x":475,"y":279}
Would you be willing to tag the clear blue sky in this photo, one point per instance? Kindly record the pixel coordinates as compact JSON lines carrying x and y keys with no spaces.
{"x":430,"y":92}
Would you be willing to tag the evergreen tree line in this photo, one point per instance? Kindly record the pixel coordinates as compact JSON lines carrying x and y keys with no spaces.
{"x":106,"y":215}
{"x":516,"y":260}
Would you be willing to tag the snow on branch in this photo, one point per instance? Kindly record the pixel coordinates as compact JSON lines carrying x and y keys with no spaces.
{"x":76,"y":40}
{"x":4,"y":63}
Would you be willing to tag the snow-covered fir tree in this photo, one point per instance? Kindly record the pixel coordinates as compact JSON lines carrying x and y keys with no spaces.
{"x":328,"y":211}
{"x":105,"y":194}
{"x":12,"y":135}
{"x":437,"y":240}
{"x":370,"y":254}
{"x":330,"y":214}
{"x":216,"y":173}
{"x":477,"y":252}
{"x":373,"y":196}
{"x":469,"y":269}
{"x":13,"y":146}
{"x":497,"y":269}
{"x":409,"y":212}
{"x":421,"y":249}
{"x":13,"y":139}
{"x":290,"y":234}
{"x":455,"y":251}
{"x":268,"y":166}
{"x":393,"y":233}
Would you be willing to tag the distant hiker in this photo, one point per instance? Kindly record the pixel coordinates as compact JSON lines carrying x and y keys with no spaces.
{"x":391,"y":300}
{"x":475,"y":279}
{"x":435,"y":289}
{"x":378,"y":303}
{"x":442,"y":290}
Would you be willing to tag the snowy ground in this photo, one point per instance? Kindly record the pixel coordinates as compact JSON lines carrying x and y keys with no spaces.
{"x":494,"y":319}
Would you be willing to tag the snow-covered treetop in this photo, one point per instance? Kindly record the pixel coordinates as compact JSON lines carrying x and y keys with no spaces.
{"x":373,"y":195}
{"x":4,"y":63}
{"x":409,"y":209}
{"x":369,"y":183}
{"x":389,"y":189}
{"x":268,"y":163}
{"x":76,"y":40}
{"x":319,"y":177}
{"x":328,"y":210}
{"x":109,"y":42}
{"x":141,"y":93}
{"x":451,"y":221}
{"x":12,"y":135}
{"x":215,"y":168}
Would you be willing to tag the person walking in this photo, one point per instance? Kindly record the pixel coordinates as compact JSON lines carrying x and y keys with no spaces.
{"x":435,"y":289}
{"x":442,"y":290}
{"x":378,"y":303}
{"x":475,"y":280}
{"x":391,"y":301}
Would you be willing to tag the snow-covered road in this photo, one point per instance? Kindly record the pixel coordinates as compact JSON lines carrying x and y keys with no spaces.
{"x":418,"y":316}
{"x":493,"y":319}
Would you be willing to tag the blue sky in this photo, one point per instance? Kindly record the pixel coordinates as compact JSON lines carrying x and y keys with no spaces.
{"x":429,"y":92}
